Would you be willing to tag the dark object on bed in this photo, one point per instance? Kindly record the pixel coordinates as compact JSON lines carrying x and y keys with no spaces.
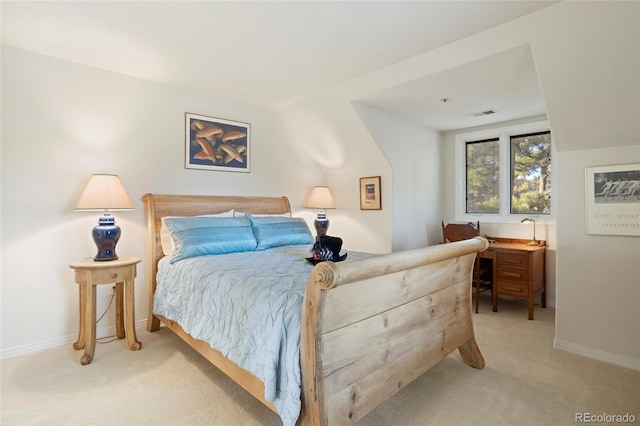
{"x":326,"y":248}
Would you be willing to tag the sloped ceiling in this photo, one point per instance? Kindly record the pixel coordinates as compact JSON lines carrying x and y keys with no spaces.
{"x":271,"y":54}
{"x":400,"y":57}
{"x":496,"y":88}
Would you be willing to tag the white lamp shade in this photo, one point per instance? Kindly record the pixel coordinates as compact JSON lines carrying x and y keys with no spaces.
{"x":320,"y":198}
{"x":104,"y":192}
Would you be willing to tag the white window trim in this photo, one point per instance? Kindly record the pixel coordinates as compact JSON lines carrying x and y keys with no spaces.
{"x":504,"y":134}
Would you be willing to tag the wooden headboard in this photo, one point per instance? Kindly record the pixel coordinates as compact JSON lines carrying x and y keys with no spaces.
{"x":158,"y":206}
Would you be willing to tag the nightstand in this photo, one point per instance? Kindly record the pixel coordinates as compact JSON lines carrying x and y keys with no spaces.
{"x":88,"y":275}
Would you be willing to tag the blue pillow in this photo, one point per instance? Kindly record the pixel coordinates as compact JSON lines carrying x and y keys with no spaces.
{"x":202,"y":235}
{"x":274,"y":231}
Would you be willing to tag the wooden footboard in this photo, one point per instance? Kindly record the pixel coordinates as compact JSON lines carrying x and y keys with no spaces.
{"x":371,"y":326}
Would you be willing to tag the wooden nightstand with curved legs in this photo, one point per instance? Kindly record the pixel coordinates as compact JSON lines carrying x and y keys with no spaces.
{"x":89,"y":274}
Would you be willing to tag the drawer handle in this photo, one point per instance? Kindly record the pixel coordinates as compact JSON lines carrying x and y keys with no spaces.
{"x":114,"y":275}
{"x":512,"y":274}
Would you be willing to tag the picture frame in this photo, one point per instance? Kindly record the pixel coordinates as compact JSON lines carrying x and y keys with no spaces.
{"x":613,"y":200}
{"x":217,"y":144}
{"x":370,"y":194}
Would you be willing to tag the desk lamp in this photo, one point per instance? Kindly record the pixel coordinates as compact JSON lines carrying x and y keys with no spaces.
{"x":104,"y":193}
{"x":529,"y":220}
{"x":320,"y":198}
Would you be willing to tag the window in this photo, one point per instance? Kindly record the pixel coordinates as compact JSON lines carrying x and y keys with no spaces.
{"x":483,"y":176}
{"x":504,"y":174}
{"x":531,"y":173}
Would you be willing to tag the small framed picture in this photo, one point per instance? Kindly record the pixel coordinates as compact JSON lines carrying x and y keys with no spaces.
{"x":217,"y":144}
{"x":370,"y":198}
{"x":613,"y":199}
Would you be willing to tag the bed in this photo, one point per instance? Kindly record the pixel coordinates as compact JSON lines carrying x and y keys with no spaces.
{"x":368,"y":326}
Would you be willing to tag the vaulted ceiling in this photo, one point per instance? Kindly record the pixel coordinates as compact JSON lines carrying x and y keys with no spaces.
{"x":271,"y":54}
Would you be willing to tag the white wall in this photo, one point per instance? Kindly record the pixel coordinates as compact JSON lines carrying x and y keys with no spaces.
{"x":598,"y":275}
{"x":413,"y":151}
{"x":331,"y":132}
{"x":589,"y":75}
{"x":350,"y":141}
{"x":62,"y":122}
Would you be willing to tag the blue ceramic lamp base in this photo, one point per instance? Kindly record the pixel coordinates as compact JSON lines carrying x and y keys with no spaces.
{"x":106,"y":236}
{"x":321,"y":224}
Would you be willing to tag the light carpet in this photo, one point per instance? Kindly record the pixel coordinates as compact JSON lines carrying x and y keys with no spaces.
{"x":525,"y":382}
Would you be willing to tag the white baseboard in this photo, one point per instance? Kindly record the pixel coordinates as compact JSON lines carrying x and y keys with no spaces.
{"x":67,"y":340}
{"x":620,"y":360}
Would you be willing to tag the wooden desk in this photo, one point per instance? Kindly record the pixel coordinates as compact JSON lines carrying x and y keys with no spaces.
{"x":518,"y":270}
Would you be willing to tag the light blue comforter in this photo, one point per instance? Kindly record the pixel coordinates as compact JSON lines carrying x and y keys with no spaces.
{"x":247,"y":306}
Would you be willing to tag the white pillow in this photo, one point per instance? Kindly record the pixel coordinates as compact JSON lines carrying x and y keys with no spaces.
{"x":168,"y":246}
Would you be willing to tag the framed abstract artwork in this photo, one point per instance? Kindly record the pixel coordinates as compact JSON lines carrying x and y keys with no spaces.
{"x":613,"y":199}
{"x":217,"y":144}
{"x":370,"y":196}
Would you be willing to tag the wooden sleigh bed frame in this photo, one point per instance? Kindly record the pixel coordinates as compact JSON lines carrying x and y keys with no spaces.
{"x":369,"y":326}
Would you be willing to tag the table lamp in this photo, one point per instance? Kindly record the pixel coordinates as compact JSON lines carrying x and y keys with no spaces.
{"x":104,"y":193}
{"x":320,"y":198}
{"x":529,"y":220}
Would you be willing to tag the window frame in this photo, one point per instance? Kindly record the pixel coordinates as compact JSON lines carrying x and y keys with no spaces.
{"x":503,"y":134}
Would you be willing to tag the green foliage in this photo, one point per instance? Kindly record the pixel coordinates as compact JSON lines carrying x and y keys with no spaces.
{"x":531,"y":174}
{"x":483,"y":177}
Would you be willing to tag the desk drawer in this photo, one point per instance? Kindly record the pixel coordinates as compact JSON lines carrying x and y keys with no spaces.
{"x":513,"y":259}
{"x":113,"y":275}
{"x":513,"y":274}
{"x":512,"y":288}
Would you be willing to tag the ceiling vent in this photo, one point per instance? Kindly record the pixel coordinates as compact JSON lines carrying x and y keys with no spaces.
{"x":483,"y":113}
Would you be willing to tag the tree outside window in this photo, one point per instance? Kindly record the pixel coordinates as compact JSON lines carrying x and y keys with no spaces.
{"x":483,"y":176}
{"x":531,"y":173}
